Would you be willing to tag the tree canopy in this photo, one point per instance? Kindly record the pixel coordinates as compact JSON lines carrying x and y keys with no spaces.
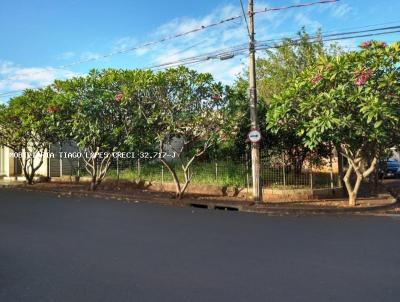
{"x":28,"y":125}
{"x":277,"y":67}
{"x":186,"y":113}
{"x":350,"y":101}
{"x":100,"y":122}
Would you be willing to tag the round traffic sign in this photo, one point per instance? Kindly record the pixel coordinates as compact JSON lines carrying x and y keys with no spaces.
{"x":254,"y":136}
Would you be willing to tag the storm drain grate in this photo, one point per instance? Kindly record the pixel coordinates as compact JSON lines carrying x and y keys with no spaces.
{"x":199,"y":205}
{"x":215,"y":207}
{"x":226,"y":208}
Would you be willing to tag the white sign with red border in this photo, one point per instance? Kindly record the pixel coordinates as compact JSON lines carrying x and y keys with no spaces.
{"x":254,"y":136}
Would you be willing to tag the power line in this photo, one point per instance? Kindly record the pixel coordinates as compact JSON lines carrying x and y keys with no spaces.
{"x":151,"y":43}
{"x":194,"y":30}
{"x":262,"y":45}
{"x":130,"y":49}
{"x":362,"y":27}
{"x":266,"y":44}
{"x":182,"y":34}
{"x":385,"y":29}
{"x":204,"y":56}
{"x":245,"y":18}
{"x":295,"y":6}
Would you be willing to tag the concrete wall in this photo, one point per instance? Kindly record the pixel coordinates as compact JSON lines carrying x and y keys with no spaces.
{"x":11,"y":167}
{"x":7,"y":163}
{"x":51,"y":167}
{"x":63,"y":166}
{"x":269,"y":195}
{"x":2,"y":162}
{"x":292,"y":195}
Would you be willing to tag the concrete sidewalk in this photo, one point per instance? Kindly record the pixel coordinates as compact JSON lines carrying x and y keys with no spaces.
{"x":339,"y":206}
{"x":8,"y":183}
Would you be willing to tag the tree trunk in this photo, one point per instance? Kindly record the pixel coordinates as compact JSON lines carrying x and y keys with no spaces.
{"x":352,"y":199}
{"x":340,"y":170}
{"x":29,"y":168}
{"x":356,"y":165}
{"x":354,"y":193}
{"x":28,"y":174}
{"x":30,"y":179}
{"x":185,"y":167}
{"x":93,"y":184}
{"x":185,"y":187}
{"x":346,"y":180}
{"x":178,"y":192}
{"x":187,"y":180}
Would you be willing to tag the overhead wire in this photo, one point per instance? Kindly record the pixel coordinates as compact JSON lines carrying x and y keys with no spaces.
{"x":266,"y":44}
{"x":294,"y":6}
{"x":234,"y":49}
{"x":245,"y":18}
{"x":263,"y":45}
{"x":175,"y":36}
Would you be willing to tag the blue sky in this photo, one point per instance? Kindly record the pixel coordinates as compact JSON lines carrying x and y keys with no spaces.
{"x":38,"y":35}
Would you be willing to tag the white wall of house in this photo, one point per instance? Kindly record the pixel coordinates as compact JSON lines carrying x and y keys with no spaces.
{"x":2,"y":162}
{"x":8,"y":164}
{"x":55,"y":167}
{"x":42,"y":171}
{"x":396,"y":155}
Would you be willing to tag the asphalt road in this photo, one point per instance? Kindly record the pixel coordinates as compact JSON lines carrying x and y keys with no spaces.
{"x":71,"y":249}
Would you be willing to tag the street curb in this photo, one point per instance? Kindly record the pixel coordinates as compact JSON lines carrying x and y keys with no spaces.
{"x":103,"y":195}
{"x":396,"y":198}
{"x":234,"y":206}
{"x":4,"y":186}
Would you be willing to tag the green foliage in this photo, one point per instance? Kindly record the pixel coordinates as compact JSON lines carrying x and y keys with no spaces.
{"x":284,"y":63}
{"x":98,"y":115}
{"x":100,"y":121}
{"x":349,"y":101}
{"x":352,"y":100}
{"x":29,"y":124}
{"x":185,"y":105}
{"x":186,"y":113}
{"x":274,"y":71}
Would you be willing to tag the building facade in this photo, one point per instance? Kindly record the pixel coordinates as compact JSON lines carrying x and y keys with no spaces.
{"x":54,"y":166}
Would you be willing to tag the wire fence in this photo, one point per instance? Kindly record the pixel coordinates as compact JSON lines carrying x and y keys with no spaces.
{"x":226,"y":172}
{"x":275,"y":171}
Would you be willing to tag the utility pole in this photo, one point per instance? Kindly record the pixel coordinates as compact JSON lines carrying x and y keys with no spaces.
{"x":255,"y":144}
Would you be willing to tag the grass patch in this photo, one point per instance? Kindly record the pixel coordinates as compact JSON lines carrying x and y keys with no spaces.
{"x":224,"y":174}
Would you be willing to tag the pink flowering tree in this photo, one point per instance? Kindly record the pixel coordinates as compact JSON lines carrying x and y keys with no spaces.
{"x":351,"y":101}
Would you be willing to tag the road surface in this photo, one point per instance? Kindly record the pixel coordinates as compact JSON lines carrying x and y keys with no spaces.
{"x":85,"y":249}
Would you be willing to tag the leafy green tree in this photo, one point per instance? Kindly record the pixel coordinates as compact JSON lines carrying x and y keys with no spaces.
{"x":100,"y":122}
{"x":275,"y":69}
{"x":185,"y":111}
{"x":285,"y":62}
{"x":350,"y":101}
{"x":237,"y":105}
{"x":28,"y":125}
